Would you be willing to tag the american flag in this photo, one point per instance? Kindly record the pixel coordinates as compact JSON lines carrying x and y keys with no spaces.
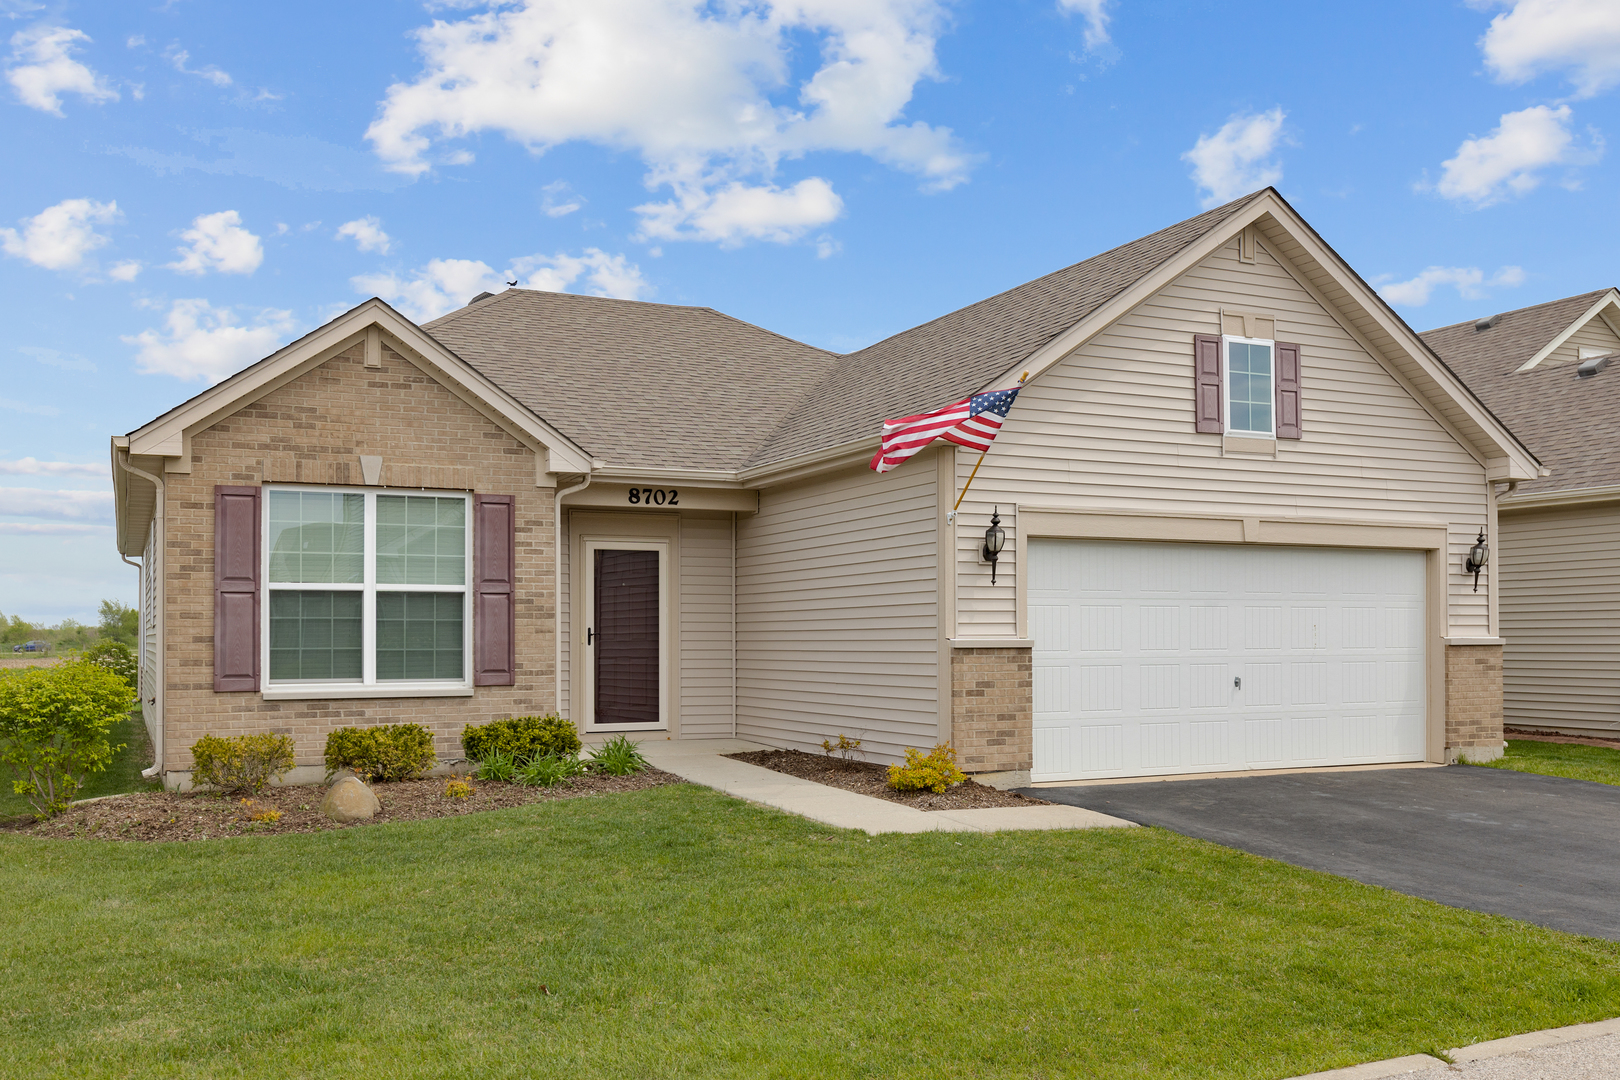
{"x":972,"y":422}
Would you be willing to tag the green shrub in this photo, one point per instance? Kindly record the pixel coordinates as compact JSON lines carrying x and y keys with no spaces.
{"x":549,"y":770}
{"x":385,"y":752}
{"x":498,"y":766}
{"x":116,"y":657}
{"x":617,"y":757}
{"x":53,"y":729}
{"x":935,"y":772}
{"x":521,"y":738}
{"x":240,"y":763}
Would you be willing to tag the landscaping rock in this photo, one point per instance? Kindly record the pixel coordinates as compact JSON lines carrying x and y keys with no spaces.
{"x":350,"y":800}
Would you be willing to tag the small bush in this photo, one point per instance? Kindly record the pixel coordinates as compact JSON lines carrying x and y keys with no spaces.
{"x":935,"y":772}
{"x":458,"y":788}
{"x":385,"y":752}
{"x":521,"y":738}
{"x":241,"y":762}
{"x":116,"y":657}
{"x":53,"y":729}
{"x":498,"y":766}
{"x":265,"y":816}
{"x":550,"y":770}
{"x":617,"y":757}
{"x":846,"y":750}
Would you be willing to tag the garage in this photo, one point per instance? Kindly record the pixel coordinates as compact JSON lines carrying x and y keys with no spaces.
{"x":1185,"y":658}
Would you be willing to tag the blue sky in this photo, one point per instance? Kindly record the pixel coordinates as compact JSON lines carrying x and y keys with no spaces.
{"x":191,"y":184}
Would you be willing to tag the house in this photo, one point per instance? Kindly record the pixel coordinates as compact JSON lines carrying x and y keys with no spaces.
{"x":1552,"y":372}
{"x":1236,"y":491}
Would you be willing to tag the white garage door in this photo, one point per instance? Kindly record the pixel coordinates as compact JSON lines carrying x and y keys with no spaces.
{"x":1178,"y":658}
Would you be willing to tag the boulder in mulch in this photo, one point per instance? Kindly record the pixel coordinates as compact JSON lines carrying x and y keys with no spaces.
{"x":350,"y":800}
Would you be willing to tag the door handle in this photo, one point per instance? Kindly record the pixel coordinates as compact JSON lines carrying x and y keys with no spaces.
{"x":589,"y":633}
{"x":1237,"y":682}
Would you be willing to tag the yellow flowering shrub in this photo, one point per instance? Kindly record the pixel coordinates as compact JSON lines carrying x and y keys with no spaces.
{"x":934,"y":772}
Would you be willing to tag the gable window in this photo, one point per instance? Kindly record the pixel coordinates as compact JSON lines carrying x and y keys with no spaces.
{"x":1250,"y":386}
{"x":365,"y":588}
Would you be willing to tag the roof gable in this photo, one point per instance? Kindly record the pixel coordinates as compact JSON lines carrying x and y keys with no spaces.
{"x":1516,"y":340}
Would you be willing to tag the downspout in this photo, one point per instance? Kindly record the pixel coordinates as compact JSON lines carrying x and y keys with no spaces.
{"x":157,"y":627}
{"x":556,"y":608}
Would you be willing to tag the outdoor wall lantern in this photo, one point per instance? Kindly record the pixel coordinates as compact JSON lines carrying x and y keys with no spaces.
{"x":995,"y":538}
{"x":1478,"y":556}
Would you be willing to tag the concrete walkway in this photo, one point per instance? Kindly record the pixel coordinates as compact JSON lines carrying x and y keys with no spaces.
{"x":703,"y":762}
{"x":1580,"y":1052}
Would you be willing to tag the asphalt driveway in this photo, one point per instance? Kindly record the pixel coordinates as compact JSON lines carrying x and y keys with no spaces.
{"x":1538,"y":848}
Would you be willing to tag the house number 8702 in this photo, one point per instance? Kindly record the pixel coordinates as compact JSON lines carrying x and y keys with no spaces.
{"x":655,"y":497}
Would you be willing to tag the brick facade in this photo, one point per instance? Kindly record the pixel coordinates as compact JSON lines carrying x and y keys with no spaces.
{"x":1473,"y":702}
{"x":992,"y":716}
{"x":312,"y":430}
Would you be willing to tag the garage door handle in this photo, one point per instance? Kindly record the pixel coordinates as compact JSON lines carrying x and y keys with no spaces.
{"x":589,"y":634}
{"x":1237,"y":682}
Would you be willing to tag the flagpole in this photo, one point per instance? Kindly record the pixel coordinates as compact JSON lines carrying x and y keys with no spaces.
{"x":950,"y":518}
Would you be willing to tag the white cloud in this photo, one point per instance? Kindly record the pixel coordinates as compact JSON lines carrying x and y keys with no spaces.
{"x":178,"y":58}
{"x":60,"y":236}
{"x":31,"y":467}
{"x":1508,"y":161}
{"x":1237,"y":159}
{"x":693,"y":88}
{"x":55,"y":528}
{"x":367,"y":232}
{"x":446,"y":284}
{"x":218,"y":242}
{"x":1097,"y":16}
{"x":559,"y":200}
{"x":200,"y":341}
{"x":42,"y":69}
{"x":52,"y":358}
{"x":32,"y":410}
{"x":1578,"y":37}
{"x":740,"y":212}
{"x":63,"y":505}
{"x":124,"y":271}
{"x":1468,"y":281}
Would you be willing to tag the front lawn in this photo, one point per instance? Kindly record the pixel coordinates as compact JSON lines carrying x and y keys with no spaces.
{"x":122,"y":774}
{"x":1572,"y":760}
{"x":677,"y":932}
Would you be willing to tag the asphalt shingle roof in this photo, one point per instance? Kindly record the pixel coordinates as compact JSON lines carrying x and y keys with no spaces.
{"x":1566,"y":421}
{"x":642,"y":384}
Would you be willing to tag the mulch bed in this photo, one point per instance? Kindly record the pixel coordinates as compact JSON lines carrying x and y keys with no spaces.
{"x":869,"y":779}
{"x":168,"y":815}
{"x":1578,"y":740}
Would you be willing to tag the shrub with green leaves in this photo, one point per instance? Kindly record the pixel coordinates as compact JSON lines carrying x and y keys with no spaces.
{"x":53,"y":729}
{"x":240,"y":763}
{"x":935,"y":771}
{"x":497,"y":766}
{"x":385,"y":752}
{"x":617,"y":757}
{"x":521,"y":738}
{"x":549,"y":770}
{"x":116,"y":657}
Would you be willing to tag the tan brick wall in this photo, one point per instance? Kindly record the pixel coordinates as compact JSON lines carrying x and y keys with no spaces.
{"x":1473,"y":696}
{"x":312,"y":430}
{"x":992,"y":719}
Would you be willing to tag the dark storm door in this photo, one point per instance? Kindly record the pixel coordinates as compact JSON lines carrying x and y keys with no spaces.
{"x":625,"y":637}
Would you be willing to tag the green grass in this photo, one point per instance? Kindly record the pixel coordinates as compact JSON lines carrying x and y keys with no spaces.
{"x":678,"y":933}
{"x":1596,"y":763}
{"x":124,"y":774}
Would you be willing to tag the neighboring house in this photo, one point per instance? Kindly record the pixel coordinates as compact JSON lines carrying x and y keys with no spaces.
{"x":1237,"y":492}
{"x":1552,"y":373}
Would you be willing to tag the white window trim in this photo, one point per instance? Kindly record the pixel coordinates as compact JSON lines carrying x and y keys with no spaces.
{"x":591,"y":546}
{"x":1226,"y":385}
{"x":368,"y":686}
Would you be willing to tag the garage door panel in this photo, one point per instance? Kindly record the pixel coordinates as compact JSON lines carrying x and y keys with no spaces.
{"x":1132,"y":678}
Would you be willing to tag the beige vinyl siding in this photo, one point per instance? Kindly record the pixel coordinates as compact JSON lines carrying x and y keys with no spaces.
{"x":837,"y":612}
{"x":1560,"y":587}
{"x":1594,"y":335}
{"x":1111,"y":428}
{"x":705,"y":668}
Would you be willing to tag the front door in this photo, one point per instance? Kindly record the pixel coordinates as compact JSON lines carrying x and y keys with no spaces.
{"x":623,"y":638}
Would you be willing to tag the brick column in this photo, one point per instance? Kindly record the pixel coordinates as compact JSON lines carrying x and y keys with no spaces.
{"x":991,"y":709}
{"x":1473,"y":702}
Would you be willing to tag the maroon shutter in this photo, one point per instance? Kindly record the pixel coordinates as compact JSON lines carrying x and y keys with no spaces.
{"x":236,"y":588}
{"x":1207,"y":383}
{"x":1288,"y":416}
{"x":494,"y":654}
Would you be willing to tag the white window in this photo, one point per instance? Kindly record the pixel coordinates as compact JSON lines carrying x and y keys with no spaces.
{"x":365,"y":591}
{"x":1251,"y":392}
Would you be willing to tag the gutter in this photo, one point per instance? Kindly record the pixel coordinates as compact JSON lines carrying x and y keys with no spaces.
{"x":1508,"y":501}
{"x":156,"y":701}
{"x":556,"y":549}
